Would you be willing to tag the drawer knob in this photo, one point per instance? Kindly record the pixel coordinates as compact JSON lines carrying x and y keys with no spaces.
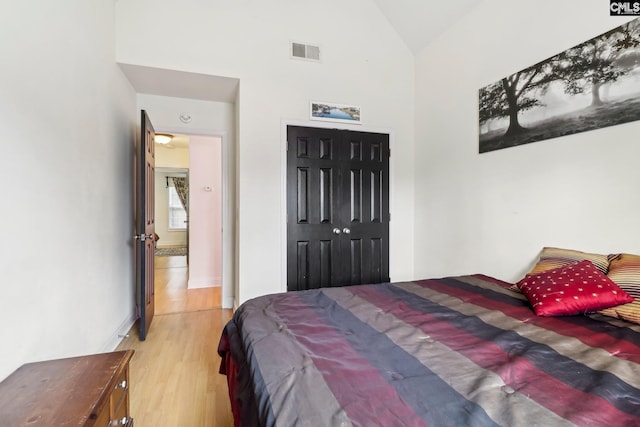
{"x":123,"y":384}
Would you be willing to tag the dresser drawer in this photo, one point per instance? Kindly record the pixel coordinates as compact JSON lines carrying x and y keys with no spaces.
{"x":104,"y":417}
{"x":120,"y":402}
{"x":120,"y":394}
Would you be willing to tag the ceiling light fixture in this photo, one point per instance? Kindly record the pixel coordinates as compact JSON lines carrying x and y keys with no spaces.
{"x":162,"y":138}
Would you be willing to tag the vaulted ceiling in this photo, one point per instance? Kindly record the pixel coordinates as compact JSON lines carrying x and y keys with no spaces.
{"x":418,"y":22}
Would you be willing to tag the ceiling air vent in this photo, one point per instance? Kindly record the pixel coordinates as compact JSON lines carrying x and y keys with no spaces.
{"x":305,"y":51}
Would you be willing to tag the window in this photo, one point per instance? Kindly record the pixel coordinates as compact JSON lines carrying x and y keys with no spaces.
{"x":177,"y":214}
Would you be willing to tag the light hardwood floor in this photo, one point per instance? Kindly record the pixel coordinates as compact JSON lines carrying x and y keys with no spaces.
{"x":174,"y":372}
{"x":172,"y":295}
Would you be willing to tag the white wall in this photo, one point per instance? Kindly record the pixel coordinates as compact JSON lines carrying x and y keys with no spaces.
{"x":364,"y":63}
{"x":174,"y":157}
{"x":492,"y":213}
{"x":205,"y":212}
{"x":67,"y":116}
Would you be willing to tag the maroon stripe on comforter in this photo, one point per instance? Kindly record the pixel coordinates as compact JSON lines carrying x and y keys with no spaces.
{"x":595,"y":334}
{"x":433,"y":352}
{"x":335,"y":358}
{"x":516,"y":369}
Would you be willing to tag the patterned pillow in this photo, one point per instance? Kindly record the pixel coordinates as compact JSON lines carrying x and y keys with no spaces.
{"x":573,"y":289}
{"x":551,"y":258}
{"x":624,"y":270}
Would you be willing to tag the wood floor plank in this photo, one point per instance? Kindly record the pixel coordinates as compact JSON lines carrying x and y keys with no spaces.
{"x":172,"y":294}
{"x":174,"y":372}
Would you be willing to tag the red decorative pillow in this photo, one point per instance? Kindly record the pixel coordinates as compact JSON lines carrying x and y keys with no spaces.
{"x":572,"y":289}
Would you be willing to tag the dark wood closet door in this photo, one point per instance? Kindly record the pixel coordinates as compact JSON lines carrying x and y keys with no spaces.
{"x":337,"y":208}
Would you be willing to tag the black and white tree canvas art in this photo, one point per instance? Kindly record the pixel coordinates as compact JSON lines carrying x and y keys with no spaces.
{"x":592,"y":85}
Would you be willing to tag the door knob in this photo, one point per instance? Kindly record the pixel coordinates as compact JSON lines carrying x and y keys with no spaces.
{"x":346,"y":230}
{"x":336,"y":230}
{"x":142,"y":237}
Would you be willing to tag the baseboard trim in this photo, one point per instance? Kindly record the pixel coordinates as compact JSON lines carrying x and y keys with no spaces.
{"x":119,"y":334}
{"x":228,"y":302}
{"x":207,"y":282}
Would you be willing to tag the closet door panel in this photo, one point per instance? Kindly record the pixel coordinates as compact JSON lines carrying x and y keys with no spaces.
{"x":337,"y":208}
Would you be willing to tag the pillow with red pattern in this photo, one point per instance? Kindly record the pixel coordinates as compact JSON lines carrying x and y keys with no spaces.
{"x":572,"y":289}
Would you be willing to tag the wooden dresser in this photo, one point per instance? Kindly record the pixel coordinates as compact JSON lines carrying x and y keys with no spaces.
{"x":79,"y":391}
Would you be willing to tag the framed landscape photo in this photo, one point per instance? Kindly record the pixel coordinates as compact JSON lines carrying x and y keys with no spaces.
{"x":335,"y":112}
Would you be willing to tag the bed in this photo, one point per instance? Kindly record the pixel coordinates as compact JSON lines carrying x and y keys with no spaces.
{"x":453,"y":351}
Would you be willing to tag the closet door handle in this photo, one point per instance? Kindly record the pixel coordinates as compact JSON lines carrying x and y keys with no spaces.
{"x":336,"y":230}
{"x":346,"y":230}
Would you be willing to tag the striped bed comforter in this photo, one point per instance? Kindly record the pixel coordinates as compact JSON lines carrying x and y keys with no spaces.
{"x":456,"y":351}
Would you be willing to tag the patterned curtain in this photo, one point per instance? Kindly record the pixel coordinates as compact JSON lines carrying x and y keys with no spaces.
{"x":182,"y":188}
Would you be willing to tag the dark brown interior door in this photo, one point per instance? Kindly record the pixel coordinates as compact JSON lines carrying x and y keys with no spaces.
{"x":145,"y":225}
{"x":337,"y":208}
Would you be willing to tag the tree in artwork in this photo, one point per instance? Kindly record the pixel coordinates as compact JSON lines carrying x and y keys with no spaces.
{"x":548,"y":99}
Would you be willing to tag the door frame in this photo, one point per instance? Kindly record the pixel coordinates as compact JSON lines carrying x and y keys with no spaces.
{"x":229,"y":197}
{"x":283,"y":180}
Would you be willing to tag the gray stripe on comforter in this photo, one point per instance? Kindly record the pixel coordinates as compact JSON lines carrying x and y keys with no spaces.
{"x":488,"y":390}
{"x":595,"y":358}
{"x":292,"y":379}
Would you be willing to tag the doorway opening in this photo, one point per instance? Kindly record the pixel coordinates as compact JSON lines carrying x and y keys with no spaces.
{"x":188,"y":208}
